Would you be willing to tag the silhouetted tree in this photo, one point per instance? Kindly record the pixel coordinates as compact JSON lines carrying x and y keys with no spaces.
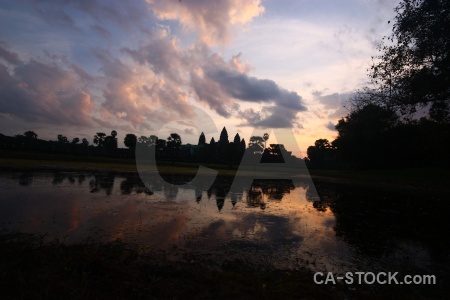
{"x":265,"y":137}
{"x":143,"y":140}
{"x":30,"y":135}
{"x":161,"y":146}
{"x":174,"y":143}
{"x":152,"y":140}
{"x":276,"y":153}
{"x":256,"y":144}
{"x":110,"y":141}
{"x":62,"y":139}
{"x":130,"y":140}
{"x":84,"y":142}
{"x":99,"y":139}
{"x":75,"y":140}
{"x":322,"y":154}
{"x":413,"y":68}
{"x":361,"y":134}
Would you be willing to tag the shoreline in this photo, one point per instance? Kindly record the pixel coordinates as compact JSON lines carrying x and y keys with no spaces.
{"x":421,"y":179}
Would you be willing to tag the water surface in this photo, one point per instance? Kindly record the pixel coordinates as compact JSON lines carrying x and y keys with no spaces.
{"x":346,"y":228}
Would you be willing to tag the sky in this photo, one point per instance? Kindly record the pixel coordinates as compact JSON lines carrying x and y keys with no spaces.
{"x":77,"y":67}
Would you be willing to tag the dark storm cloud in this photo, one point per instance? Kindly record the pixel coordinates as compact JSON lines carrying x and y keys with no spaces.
{"x":243,"y":87}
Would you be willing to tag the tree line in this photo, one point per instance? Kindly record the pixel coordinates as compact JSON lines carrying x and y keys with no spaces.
{"x":171,"y":148}
{"x":402,"y":118}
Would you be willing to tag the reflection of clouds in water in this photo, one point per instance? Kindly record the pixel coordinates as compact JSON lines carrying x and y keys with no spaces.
{"x":328,"y":231}
{"x":265,"y":231}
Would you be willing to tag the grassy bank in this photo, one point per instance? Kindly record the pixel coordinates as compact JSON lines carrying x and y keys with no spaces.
{"x":420,"y":178}
{"x":423,"y":178}
{"x":40,"y":161}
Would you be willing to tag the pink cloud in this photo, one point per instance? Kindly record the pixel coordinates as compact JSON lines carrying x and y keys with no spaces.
{"x":212,"y":20}
{"x":43,"y":92}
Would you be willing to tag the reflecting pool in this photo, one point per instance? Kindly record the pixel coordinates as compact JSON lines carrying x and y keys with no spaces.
{"x":346,"y":228}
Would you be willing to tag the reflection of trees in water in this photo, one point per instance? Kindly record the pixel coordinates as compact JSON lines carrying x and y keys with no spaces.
{"x":275,"y":189}
{"x":320,"y":205}
{"x":101,"y":182}
{"x":255,"y":197}
{"x":376,"y":222}
{"x":71,"y":178}
{"x":134,"y":184}
{"x":26,"y":178}
{"x":59,"y":177}
{"x":81,"y":179}
{"x":170,"y":191}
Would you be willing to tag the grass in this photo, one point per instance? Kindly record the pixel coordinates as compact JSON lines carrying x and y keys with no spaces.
{"x":419,"y":178}
{"x":423,"y":178}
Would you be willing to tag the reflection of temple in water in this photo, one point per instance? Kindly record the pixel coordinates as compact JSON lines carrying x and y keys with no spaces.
{"x":259,"y":193}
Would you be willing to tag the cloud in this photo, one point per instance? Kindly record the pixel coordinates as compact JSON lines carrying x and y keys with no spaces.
{"x":270,"y":117}
{"x":330,"y":126}
{"x":8,"y":56}
{"x":101,"y":31}
{"x":58,"y":13}
{"x":222,"y":85}
{"x":98,"y":73}
{"x":189,"y":131}
{"x":243,"y":87}
{"x":47,"y":93}
{"x":212,"y":20}
{"x":135,"y":91}
{"x":335,"y":103}
{"x":57,"y":18}
{"x":213,"y":81}
{"x":81,"y":73}
{"x":162,"y":54}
